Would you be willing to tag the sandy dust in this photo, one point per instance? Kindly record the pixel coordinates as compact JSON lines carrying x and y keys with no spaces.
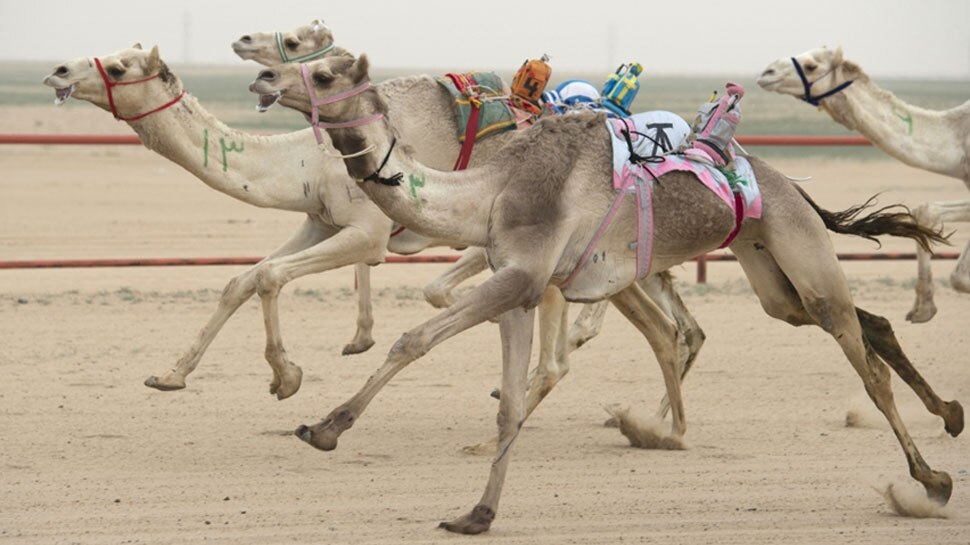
{"x":89,"y":455}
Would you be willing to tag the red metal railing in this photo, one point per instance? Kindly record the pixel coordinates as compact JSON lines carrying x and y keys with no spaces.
{"x":89,"y":139}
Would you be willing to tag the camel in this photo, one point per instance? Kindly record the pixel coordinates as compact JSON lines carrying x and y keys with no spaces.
{"x":535,"y":206}
{"x":342,"y":225}
{"x":937,"y":141}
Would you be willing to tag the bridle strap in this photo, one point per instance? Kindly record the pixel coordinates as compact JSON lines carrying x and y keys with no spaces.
{"x":816,"y":100}
{"x":315,"y":103}
{"x":108,"y":85}
{"x":302,"y":58}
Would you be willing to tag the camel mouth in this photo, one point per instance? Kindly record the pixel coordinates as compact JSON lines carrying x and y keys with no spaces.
{"x":769,"y":83}
{"x":266,"y":101}
{"x":242,"y":51}
{"x":61,"y":94}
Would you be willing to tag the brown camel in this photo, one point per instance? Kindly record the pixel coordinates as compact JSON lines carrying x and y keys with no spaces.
{"x":534,"y":207}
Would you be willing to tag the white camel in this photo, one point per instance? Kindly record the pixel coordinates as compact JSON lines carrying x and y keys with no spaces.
{"x":937,"y":141}
{"x":343,"y":227}
{"x":535,"y":207}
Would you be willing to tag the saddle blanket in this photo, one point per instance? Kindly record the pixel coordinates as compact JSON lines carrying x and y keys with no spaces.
{"x":667,"y":132}
{"x":495,"y":115}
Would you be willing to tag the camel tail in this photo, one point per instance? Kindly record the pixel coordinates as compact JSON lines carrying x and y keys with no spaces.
{"x":894,"y":220}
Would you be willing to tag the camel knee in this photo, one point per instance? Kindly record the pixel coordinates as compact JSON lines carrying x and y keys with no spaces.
{"x":925,"y":215}
{"x":269,"y":280}
{"x":238,"y":289}
{"x":828,"y":313}
{"x":408,"y":348}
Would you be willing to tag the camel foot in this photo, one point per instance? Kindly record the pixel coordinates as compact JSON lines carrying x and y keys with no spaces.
{"x":939,"y":487}
{"x":357,"y":347}
{"x":324,"y":435}
{"x":438,"y":299}
{"x":487,"y":448}
{"x":476,"y":522}
{"x":166,"y":383}
{"x":920,"y":314}
{"x":953,"y":417}
{"x":496,"y":393}
{"x":960,"y":283}
{"x":288,"y":384}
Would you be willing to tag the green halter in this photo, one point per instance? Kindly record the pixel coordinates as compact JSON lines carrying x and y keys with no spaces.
{"x":303,"y":58}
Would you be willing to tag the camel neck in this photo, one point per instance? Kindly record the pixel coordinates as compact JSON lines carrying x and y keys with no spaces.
{"x":918,"y":137}
{"x":449,"y":206}
{"x":263,"y":171}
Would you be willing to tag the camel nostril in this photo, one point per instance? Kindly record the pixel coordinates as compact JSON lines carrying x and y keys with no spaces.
{"x":61,"y":71}
{"x":267,"y":75}
{"x":246,"y":39}
{"x":768,"y":72}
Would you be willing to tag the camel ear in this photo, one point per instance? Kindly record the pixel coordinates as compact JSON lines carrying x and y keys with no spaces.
{"x":358,"y":72}
{"x":837,"y":57}
{"x":136,"y":46}
{"x":154,"y":60}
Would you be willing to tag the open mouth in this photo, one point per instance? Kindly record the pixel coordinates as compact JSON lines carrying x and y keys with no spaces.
{"x":265,"y":101}
{"x":62,"y":94}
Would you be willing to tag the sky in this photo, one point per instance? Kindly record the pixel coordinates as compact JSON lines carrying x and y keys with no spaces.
{"x":888,"y":38}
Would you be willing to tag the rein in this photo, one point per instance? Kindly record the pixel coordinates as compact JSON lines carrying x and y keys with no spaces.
{"x":816,"y":100}
{"x":302,"y":58}
{"x":108,"y":85}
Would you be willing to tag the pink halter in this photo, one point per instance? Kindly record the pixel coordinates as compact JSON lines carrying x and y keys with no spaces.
{"x":108,"y":84}
{"x":315,"y":103}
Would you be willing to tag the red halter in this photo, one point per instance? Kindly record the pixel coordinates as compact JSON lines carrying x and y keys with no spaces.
{"x":108,"y":84}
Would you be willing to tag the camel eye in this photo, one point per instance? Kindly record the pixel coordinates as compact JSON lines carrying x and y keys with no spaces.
{"x":291,"y":44}
{"x":322,"y":79}
{"x":811,"y":67}
{"x":115,"y":72}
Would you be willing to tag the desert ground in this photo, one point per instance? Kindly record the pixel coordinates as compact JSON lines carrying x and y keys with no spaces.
{"x":91,"y":456}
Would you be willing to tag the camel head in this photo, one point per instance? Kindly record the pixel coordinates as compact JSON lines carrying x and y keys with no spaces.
{"x":136,"y":78}
{"x":824,"y":72}
{"x":328,"y":77}
{"x":305,"y":43}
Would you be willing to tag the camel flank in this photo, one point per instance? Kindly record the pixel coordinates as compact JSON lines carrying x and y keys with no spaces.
{"x":937,"y":141}
{"x":534,"y":207}
{"x":342,"y":225}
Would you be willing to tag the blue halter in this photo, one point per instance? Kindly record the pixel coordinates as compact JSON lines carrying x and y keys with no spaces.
{"x":815,"y":100}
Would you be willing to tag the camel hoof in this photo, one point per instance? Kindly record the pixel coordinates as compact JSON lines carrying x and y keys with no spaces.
{"x":496,"y":393}
{"x":438,"y":299}
{"x":357,"y":348}
{"x":166,"y":383}
{"x":288,"y":384}
{"x":939,"y":488}
{"x":960,"y":283}
{"x":954,"y":424}
{"x":476,"y":522}
{"x":325,"y":434}
{"x":921,"y":314}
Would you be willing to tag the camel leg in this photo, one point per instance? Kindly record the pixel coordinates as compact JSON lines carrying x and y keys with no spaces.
{"x":660,"y":288}
{"x":800,"y":265}
{"x":438,"y":291}
{"x":350,"y":245}
{"x":879,"y":334}
{"x":516,"y":329}
{"x":506,"y":289}
{"x":587,"y":325}
{"x":665,"y":340}
{"x":553,"y":359}
{"x":236,"y":292}
{"x":935,"y":215}
{"x":363,"y":338}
